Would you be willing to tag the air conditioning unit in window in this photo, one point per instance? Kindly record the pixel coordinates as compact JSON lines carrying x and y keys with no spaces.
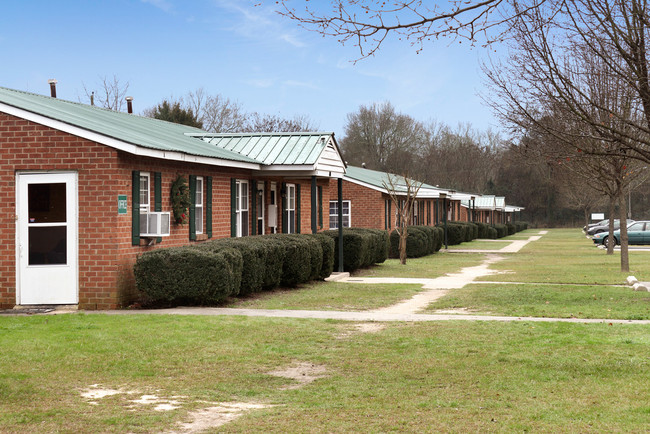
{"x":154,"y":224}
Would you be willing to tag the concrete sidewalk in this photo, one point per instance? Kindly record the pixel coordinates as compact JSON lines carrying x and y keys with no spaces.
{"x":353,"y":316}
{"x":404,"y":311}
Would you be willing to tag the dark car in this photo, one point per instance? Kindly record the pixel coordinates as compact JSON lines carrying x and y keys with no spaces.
{"x":591,"y":225}
{"x":605,"y":228}
{"x":637,"y":233}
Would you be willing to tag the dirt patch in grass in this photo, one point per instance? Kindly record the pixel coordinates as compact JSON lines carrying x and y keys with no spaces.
{"x":216,"y":416}
{"x":365,"y":327}
{"x":302,"y":373}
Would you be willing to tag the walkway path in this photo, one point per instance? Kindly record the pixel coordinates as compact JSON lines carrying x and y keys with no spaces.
{"x":354,"y":316}
{"x":404,"y":311}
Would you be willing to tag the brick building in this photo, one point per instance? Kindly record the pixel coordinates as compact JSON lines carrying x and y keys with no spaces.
{"x":86,"y":190}
{"x":367,"y":202}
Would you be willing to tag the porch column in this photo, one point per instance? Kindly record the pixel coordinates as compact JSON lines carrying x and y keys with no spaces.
{"x":314,"y":221}
{"x":340,"y":222}
{"x":473,"y":209}
{"x":444,"y":216}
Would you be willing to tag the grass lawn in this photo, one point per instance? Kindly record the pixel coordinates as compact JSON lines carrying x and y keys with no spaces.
{"x":554,"y":301}
{"x":408,"y":377}
{"x":482,"y":245}
{"x":329,"y":296}
{"x":567,"y":256}
{"x":431,"y":266}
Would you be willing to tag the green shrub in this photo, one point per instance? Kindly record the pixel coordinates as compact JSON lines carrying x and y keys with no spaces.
{"x":456,"y":233}
{"x":361,"y":247}
{"x":486,"y":231}
{"x":502,"y":230}
{"x":254,"y":256}
{"x":420,"y":241}
{"x":521,"y":226}
{"x":297,"y":266}
{"x":185,"y":275}
{"x":511,"y":228}
{"x":327,"y":247}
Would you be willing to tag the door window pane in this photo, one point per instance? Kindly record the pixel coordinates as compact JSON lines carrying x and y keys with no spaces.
{"x":47,"y":245}
{"x":47,"y":203}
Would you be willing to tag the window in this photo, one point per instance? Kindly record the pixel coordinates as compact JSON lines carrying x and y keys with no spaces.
{"x":334,"y":214}
{"x":259,"y":208}
{"x":273,"y":209}
{"x":198,"y":205}
{"x":145,"y":187}
{"x":241,"y":208}
{"x":291,"y":209}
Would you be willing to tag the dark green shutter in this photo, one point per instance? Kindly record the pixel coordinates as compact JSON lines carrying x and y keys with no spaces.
{"x":297,"y":208}
{"x":385,"y":215}
{"x":135,"y":208}
{"x":283,"y":193}
{"x":314,"y":217}
{"x":320,"y":206}
{"x":157,"y":196}
{"x":192,"y":207}
{"x":254,"y":206}
{"x":390,"y":214}
{"x":233,"y":207}
{"x":208,"y":206}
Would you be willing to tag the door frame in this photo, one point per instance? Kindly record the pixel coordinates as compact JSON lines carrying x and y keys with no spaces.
{"x":75,"y":224}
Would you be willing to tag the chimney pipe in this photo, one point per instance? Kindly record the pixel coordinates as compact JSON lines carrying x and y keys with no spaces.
{"x":129,"y":104}
{"x":52,"y":83}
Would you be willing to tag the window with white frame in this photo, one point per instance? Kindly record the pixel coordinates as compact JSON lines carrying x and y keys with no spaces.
{"x":241,"y":208}
{"x":145,"y":192}
{"x":198,"y":206}
{"x":334,"y":214}
{"x":259,"y":208}
{"x":291,"y":208}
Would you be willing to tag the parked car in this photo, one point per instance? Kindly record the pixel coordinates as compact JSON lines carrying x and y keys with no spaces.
{"x":637,"y":233}
{"x":604,"y":227}
{"x":591,"y":225}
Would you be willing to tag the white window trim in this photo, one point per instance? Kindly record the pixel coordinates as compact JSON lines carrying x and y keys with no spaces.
{"x":260,"y":207}
{"x":349,"y":214}
{"x":198,"y":206}
{"x":291,"y":188}
{"x":242,"y":206}
{"x":145,"y":208}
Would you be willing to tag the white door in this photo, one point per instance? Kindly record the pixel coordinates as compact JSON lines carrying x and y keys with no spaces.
{"x":47,"y":238}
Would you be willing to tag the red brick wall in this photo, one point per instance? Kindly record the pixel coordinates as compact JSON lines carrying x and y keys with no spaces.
{"x":106,"y":253}
{"x":366,"y":205}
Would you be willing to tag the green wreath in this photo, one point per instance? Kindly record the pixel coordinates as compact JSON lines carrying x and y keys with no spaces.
{"x":180,"y":200}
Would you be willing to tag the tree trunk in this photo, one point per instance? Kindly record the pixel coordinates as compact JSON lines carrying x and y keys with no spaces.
{"x":402,"y":245}
{"x":611,"y":212}
{"x":622,"y":209}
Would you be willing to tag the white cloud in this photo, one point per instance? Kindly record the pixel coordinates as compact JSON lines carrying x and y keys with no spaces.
{"x":260,"y":82}
{"x":164,"y":5}
{"x":260,"y":23}
{"x":304,"y":84}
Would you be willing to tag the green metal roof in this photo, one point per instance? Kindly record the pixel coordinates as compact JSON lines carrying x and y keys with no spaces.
{"x":128,"y":128}
{"x":378,"y":179}
{"x":298,"y":148}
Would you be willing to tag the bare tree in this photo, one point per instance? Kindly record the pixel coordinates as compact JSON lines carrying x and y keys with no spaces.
{"x":111,"y":93}
{"x":266,"y":123}
{"x":403,"y":193}
{"x":367,"y":24}
{"x":216,"y":112}
{"x":382,"y":138}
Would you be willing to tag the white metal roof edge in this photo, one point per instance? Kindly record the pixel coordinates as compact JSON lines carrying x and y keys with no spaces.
{"x":120,"y":145}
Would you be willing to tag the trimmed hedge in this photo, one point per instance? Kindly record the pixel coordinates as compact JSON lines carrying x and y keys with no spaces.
{"x":327,"y":247}
{"x":512,"y":229}
{"x":521,"y":226}
{"x":420,"y":241}
{"x":188,"y":275}
{"x":486,"y":231}
{"x":502,"y":230}
{"x":361,"y":247}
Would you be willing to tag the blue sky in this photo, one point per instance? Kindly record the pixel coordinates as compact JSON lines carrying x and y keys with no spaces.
{"x":240,"y":49}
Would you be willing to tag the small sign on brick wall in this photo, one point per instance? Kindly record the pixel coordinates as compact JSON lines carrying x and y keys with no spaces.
{"x":121,"y":204}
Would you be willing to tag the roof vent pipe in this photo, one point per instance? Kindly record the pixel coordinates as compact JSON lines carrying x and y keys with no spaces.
{"x":92,"y":98}
{"x":52,"y":83}
{"x":129,"y":104}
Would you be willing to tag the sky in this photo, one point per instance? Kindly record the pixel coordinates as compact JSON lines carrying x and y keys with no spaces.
{"x":240,"y":49}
